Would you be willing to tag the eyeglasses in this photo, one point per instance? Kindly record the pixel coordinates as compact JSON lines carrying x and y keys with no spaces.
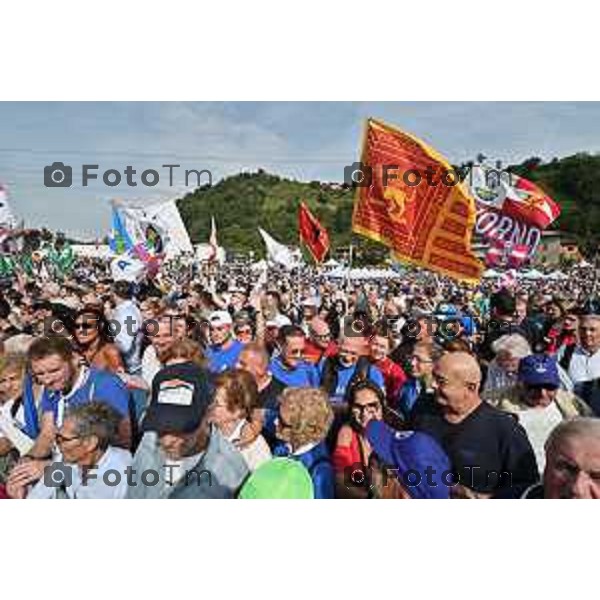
{"x":323,"y":336}
{"x":370,"y":406}
{"x":61,"y":439}
{"x":244,"y":331}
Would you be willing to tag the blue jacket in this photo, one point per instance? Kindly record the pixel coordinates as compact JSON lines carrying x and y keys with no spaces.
{"x":409,"y":393}
{"x":318,"y":464}
{"x":304,"y":375}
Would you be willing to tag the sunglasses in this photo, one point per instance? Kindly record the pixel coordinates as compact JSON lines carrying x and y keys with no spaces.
{"x":85,"y":326}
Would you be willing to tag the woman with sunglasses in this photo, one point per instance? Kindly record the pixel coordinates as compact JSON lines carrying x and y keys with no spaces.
{"x":352,"y":451}
{"x":92,"y":340}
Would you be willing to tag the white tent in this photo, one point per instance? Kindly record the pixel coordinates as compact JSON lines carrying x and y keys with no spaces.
{"x":331,"y":263}
{"x":557,"y":276}
{"x":91,"y":250}
{"x":490,"y":274}
{"x":533,"y":274}
{"x":364,"y":273}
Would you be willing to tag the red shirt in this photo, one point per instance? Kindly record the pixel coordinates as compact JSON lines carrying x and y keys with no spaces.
{"x":346,"y":456}
{"x":313,"y":354}
{"x":393,"y":376}
{"x":558,"y":338}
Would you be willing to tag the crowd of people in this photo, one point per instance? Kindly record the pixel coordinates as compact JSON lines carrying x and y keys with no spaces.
{"x":228,"y":383}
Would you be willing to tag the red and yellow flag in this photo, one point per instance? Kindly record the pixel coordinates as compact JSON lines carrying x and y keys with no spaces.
{"x":312,"y":233}
{"x":409,"y":199}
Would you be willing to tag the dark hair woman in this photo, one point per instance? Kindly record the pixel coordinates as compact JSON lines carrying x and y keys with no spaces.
{"x":352,"y":451}
{"x":92,"y":340}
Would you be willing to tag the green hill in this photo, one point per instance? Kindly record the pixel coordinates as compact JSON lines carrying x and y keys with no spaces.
{"x":241,"y":203}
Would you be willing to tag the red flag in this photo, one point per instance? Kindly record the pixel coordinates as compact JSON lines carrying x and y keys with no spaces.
{"x":528,"y":203}
{"x":312,"y":233}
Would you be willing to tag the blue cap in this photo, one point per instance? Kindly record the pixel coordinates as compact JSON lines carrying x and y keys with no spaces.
{"x":417,"y":457}
{"x":446,"y":311}
{"x":539,"y":370}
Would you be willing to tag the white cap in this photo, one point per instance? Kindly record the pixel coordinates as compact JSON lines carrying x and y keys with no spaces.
{"x":278,"y":321}
{"x":220,"y":318}
{"x":311,"y":301}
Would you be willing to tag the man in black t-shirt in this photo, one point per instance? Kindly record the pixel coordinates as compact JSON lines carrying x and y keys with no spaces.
{"x":488,"y":449}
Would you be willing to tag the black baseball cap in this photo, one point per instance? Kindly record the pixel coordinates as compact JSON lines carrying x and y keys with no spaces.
{"x":181,"y":395}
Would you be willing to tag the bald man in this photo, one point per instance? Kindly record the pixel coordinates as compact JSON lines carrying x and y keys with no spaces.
{"x":350,"y":365}
{"x":488,"y":449}
{"x":319,"y":344}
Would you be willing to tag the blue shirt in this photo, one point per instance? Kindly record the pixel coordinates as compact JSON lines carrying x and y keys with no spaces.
{"x":92,"y":385}
{"x":345,"y":374}
{"x":304,"y":375}
{"x":220,"y":359}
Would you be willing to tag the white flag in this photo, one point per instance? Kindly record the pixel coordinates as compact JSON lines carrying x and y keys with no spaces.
{"x":212,"y":242}
{"x":7,"y":218}
{"x":156,"y":224}
{"x":127,"y":268}
{"x":278,"y":253}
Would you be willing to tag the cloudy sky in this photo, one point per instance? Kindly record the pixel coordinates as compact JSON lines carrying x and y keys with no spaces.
{"x":303,"y":140}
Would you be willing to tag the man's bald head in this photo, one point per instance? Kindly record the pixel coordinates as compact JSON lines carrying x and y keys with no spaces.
{"x":319,"y":326}
{"x":456,"y":379}
{"x":461,"y":365}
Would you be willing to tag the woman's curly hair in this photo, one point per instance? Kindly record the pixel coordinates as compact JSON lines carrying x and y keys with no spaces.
{"x":308,"y":415}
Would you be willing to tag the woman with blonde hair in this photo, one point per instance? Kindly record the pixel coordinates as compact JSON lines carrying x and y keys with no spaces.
{"x":305,"y":416}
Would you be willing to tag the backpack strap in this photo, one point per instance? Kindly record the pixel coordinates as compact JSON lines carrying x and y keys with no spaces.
{"x":565,"y":361}
{"x":361,"y":373}
{"x":329,"y":378}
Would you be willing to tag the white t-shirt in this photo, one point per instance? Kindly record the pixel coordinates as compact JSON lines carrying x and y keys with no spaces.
{"x":583,"y":366}
{"x":256,"y":453}
{"x":11,"y":427}
{"x":538,"y":424}
{"x":150,"y":365}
